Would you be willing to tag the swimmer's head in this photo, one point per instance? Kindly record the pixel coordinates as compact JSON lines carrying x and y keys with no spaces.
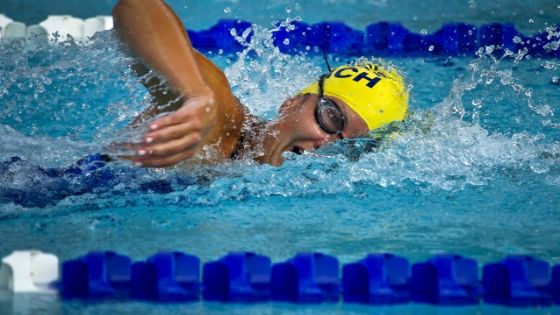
{"x":378,"y":95}
{"x":347,"y":103}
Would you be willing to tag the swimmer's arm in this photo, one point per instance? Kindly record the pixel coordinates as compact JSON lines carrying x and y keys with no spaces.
{"x":210,"y":112}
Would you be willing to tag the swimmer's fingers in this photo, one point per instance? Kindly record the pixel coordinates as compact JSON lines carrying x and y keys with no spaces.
{"x":164,"y":161}
{"x":173,"y":132}
{"x":202,"y":108}
{"x":169,"y":148}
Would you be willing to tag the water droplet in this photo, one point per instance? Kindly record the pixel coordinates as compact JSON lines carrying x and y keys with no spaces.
{"x":286,"y":41}
{"x":549,"y":65}
{"x":227,"y":10}
{"x":431,"y":48}
{"x":554,"y":45}
{"x":477,"y":102}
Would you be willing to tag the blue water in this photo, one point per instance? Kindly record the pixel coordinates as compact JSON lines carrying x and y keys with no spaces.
{"x":475,"y":171}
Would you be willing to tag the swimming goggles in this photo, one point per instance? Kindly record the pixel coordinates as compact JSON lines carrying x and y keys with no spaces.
{"x":328,"y":114}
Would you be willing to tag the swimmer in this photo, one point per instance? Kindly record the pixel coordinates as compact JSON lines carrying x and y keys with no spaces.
{"x":348,"y":102}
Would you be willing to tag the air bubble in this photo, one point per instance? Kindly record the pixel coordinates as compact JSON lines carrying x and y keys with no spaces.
{"x":554,"y":45}
{"x":431,"y":48}
{"x":548,"y":65}
{"x":472,"y":4}
{"x":227,"y":10}
{"x":286,"y":41}
{"x":517,"y":40}
{"x":477,"y":102}
{"x":289,"y":9}
{"x":531,"y":21}
{"x":423,"y":31}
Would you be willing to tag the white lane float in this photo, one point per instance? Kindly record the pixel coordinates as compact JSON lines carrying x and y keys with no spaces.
{"x":54,"y":28}
{"x":29,"y":271}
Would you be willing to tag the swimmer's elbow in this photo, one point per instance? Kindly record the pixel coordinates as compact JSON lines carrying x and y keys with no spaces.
{"x":128,"y":6}
{"x":121,"y":8}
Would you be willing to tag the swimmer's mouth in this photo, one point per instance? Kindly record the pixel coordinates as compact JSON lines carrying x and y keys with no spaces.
{"x":296,"y":150}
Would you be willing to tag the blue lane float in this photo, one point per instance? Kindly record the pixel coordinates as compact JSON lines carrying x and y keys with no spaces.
{"x":96,"y":275}
{"x":166,"y":277}
{"x":518,"y":281}
{"x":445,"y":280}
{"x":239,"y":277}
{"x":382,"y":39}
{"x":378,"y":279}
{"x":306,"y":278}
{"x":554,"y":287}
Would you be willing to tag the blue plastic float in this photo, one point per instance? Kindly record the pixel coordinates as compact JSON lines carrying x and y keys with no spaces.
{"x":518,"y":281}
{"x":166,"y":277}
{"x":445,"y":279}
{"x":96,"y":275}
{"x":381,"y":39}
{"x":239,"y":277}
{"x":377,"y":279}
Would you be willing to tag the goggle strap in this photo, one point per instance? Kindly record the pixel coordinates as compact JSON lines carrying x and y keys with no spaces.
{"x":327,"y":60}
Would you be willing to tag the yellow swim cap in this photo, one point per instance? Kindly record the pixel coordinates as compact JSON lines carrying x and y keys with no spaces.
{"x":377,"y":95}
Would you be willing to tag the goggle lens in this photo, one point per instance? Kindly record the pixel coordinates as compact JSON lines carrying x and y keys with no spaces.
{"x":329,"y":116}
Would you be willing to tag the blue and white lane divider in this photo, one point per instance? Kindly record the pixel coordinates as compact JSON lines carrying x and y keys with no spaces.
{"x":384,"y":39}
{"x":379,"y":39}
{"x":306,"y":278}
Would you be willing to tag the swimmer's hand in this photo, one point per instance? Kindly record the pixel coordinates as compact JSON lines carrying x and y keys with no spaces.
{"x":177,"y":136}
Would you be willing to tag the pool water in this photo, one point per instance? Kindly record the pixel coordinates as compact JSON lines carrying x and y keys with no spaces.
{"x":474,"y":171}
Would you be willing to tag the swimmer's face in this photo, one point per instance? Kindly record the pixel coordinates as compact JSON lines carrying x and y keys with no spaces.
{"x":296,"y":129}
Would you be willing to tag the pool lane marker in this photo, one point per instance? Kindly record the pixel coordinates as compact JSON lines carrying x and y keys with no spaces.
{"x":29,"y":272}
{"x":378,"y":279}
{"x":54,"y":28}
{"x":379,"y":39}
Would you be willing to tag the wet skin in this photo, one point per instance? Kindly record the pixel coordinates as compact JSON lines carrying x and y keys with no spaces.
{"x":296,"y":128}
{"x":204,"y":113}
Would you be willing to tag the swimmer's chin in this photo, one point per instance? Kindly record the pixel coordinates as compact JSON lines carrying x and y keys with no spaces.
{"x":277,"y":158}
{"x":292,"y":151}
{"x":274,"y":159}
